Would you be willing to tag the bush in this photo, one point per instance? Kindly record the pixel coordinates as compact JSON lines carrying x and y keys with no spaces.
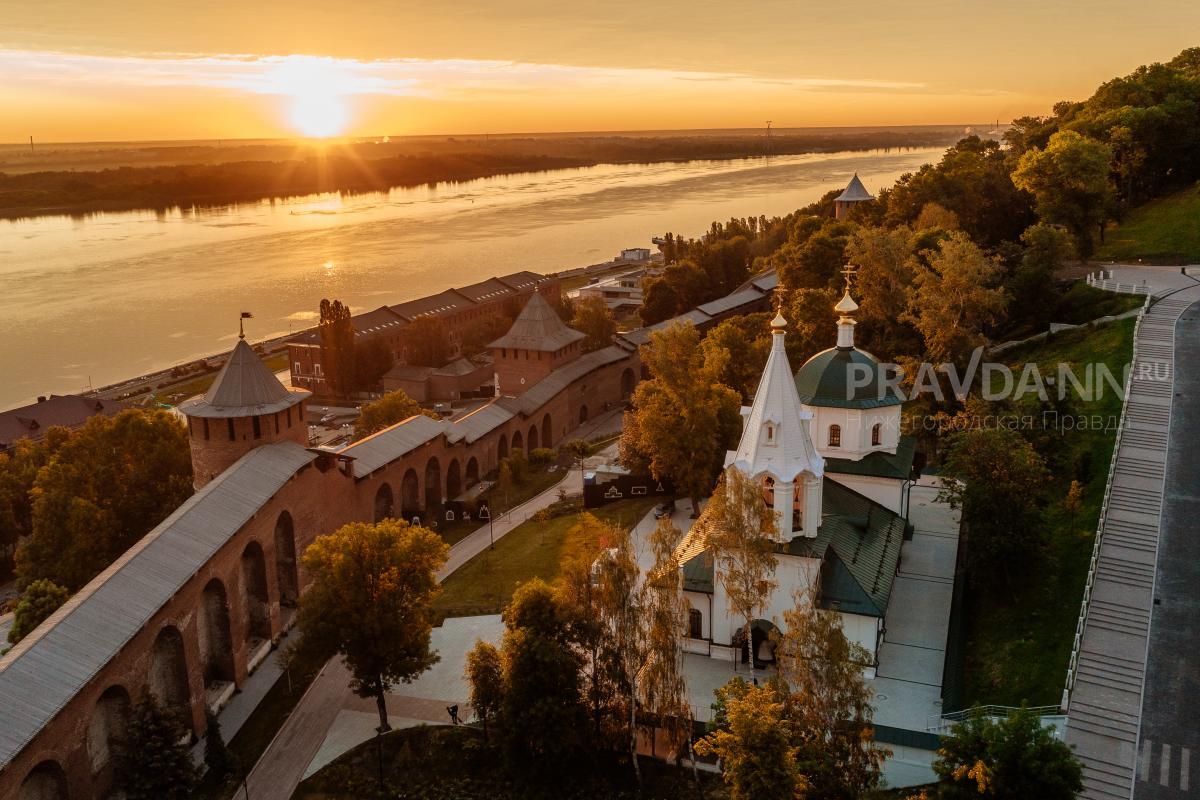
{"x":541,"y":456}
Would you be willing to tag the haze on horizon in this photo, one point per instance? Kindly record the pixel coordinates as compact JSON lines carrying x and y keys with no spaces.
{"x":75,"y":70}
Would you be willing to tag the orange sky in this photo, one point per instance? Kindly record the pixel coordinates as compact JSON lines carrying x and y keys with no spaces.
{"x":74,"y":70}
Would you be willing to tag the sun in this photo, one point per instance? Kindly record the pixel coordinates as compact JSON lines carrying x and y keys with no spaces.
{"x":318,"y":115}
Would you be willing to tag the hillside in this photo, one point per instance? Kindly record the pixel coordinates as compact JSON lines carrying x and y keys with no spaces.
{"x":1166,"y":230}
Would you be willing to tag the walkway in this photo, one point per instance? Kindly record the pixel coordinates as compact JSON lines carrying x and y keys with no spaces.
{"x":1105,"y":702}
{"x":319,"y":714}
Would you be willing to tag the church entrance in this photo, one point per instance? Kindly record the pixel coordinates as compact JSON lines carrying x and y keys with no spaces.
{"x":760,"y":644}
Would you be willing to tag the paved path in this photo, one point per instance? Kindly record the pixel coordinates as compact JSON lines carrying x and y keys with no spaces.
{"x":1169,"y":738}
{"x":1106,"y":702}
{"x":284,"y":764}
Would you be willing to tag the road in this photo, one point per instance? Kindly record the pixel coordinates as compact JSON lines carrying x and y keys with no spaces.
{"x":1168,"y":766}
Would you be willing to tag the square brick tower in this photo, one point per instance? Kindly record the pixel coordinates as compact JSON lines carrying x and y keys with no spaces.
{"x":537,"y":343}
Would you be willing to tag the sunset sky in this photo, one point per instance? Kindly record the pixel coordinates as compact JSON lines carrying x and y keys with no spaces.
{"x":83,"y":70}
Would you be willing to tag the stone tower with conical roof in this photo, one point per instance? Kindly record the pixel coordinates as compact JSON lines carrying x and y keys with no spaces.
{"x":246,"y":407}
{"x":537,"y":343}
{"x":854,"y":193}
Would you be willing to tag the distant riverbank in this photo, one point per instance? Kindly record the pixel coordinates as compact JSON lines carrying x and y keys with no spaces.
{"x":253,"y":172}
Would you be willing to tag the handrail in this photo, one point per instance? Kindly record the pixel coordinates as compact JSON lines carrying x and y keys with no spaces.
{"x":949,"y":719}
{"x":1073,"y":662}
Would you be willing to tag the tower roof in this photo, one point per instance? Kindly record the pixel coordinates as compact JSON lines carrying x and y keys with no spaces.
{"x":775,"y":438}
{"x":244,"y":387}
{"x":538,"y":327}
{"x":854,"y":192}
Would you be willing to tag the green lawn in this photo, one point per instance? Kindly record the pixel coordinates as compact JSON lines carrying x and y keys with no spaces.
{"x":1018,"y":645}
{"x":1081,"y":303}
{"x":453,"y":763}
{"x":536,"y":481}
{"x":534,"y":550}
{"x":1166,"y":230}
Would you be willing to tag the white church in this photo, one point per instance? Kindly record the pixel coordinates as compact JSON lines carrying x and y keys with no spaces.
{"x":836,"y":470}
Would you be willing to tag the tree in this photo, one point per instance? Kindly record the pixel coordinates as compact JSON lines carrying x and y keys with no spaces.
{"x":337,"y":346}
{"x":828,"y":703}
{"x":935,"y":215}
{"x":217,"y":758}
{"x":155,"y":761}
{"x":18,"y":472}
{"x":485,"y":674}
{"x":372,"y":586}
{"x":1012,"y":758}
{"x":683,"y":419}
{"x":1047,"y":249}
{"x":886,"y":266}
{"x":578,"y":450}
{"x":955,"y":299}
{"x":660,"y":301}
{"x":40,"y":599}
{"x":593,"y":318}
{"x":1074,"y":500}
{"x":754,"y":743}
{"x":663,"y":687}
{"x":542,"y":714}
{"x":997,"y":479}
{"x":1069,"y":180}
{"x":428,"y":344}
{"x":372,"y":359}
{"x":504,"y":482}
{"x":745,"y":341}
{"x":810,"y":322}
{"x":106,"y":486}
{"x":741,"y":530}
{"x":385,"y":412}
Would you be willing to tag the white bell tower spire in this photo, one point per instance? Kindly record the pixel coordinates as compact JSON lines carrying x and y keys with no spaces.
{"x":776,"y":444}
{"x":845,"y":309}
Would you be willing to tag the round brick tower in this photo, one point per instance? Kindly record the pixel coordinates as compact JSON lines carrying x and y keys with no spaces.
{"x":246,"y":407}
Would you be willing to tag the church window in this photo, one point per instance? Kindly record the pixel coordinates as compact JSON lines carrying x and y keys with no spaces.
{"x":835,"y":435}
{"x":770,"y":433}
{"x":876,"y":435}
{"x":695,"y":624}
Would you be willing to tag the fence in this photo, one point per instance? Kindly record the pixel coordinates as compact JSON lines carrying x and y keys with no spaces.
{"x":943,"y":723}
{"x":1073,"y":663}
{"x":1100,"y":282}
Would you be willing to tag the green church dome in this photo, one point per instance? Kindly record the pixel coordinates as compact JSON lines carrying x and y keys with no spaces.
{"x":826,"y":380}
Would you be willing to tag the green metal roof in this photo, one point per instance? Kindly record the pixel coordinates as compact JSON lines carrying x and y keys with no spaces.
{"x":896,"y":465}
{"x":698,"y":573}
{"x":826,"y":380}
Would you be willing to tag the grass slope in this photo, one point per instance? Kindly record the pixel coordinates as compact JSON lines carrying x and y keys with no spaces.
{"x":1165,"y":230}
{"x":533,"y":550}
{"x":1018,"y":645}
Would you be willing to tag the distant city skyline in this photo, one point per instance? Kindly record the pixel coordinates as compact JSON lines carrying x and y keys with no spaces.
{"x":137,"y":70}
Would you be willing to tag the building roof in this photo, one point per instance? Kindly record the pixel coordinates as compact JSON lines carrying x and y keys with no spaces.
{"x":732,"y":302}
{"x":879,"y":464}
{"x":244,"y":387}
{"x":562,"y":377}
{"x":387,"y":445}
{"x":775,"y":438}
{"x":435,"y":305}
{"x":858,"y":543}
{"x":51,"y":665}
{"x":482,"y":420}
{"x":537,"y":327}
{"x":366,"y":325}
{"x":523,"y":281}
{"x":486,"y":291}
{"x":854,"y":192}
{"x":831,"y":379}
{"x":67,"y":410}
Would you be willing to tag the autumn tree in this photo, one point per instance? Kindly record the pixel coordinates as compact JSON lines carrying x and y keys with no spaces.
{"x":18,"y":472}
{"x":809,"y":313}
{"x":753,"y":741}
{"x":886,"y":266}
{"x":741,"y":532}
{"x":372,"y":586}
{"x":745,"y":341}
{"x":956,"y":299}
{"x":40,"y":599}
{"x":385,"y":412}
{"x":542,"y":716}
{"x":997,"y":478}
{"x":427,"y":341}
{"x":155,"y":761}
{"x":828,"y":702}
{"x":336,"y":330}
{"x":663,"y":688}
{"x":1070,"y":182}
{"x":683,"y":419}
{"x":108,"y":484}
{"x":593,"y":318}
{"x":1012,"y":758}
{"x":1047,"y":249}
{"x":485,"y":675}
{"x":372,"y":359}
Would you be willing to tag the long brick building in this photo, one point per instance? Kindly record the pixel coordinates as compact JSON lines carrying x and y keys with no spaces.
{"x":193,"y":608}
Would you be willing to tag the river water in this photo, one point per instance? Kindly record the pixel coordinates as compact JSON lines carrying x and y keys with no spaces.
{"x":88,"y":302}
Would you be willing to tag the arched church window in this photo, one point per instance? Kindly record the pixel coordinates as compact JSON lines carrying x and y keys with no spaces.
{"x":770,"y":433}
{"x":695,"y":624}
{"x":835,"y":435}
{"x":876,"y":435}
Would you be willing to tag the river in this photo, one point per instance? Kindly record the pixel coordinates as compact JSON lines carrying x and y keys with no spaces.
{"x":92,"y":301}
